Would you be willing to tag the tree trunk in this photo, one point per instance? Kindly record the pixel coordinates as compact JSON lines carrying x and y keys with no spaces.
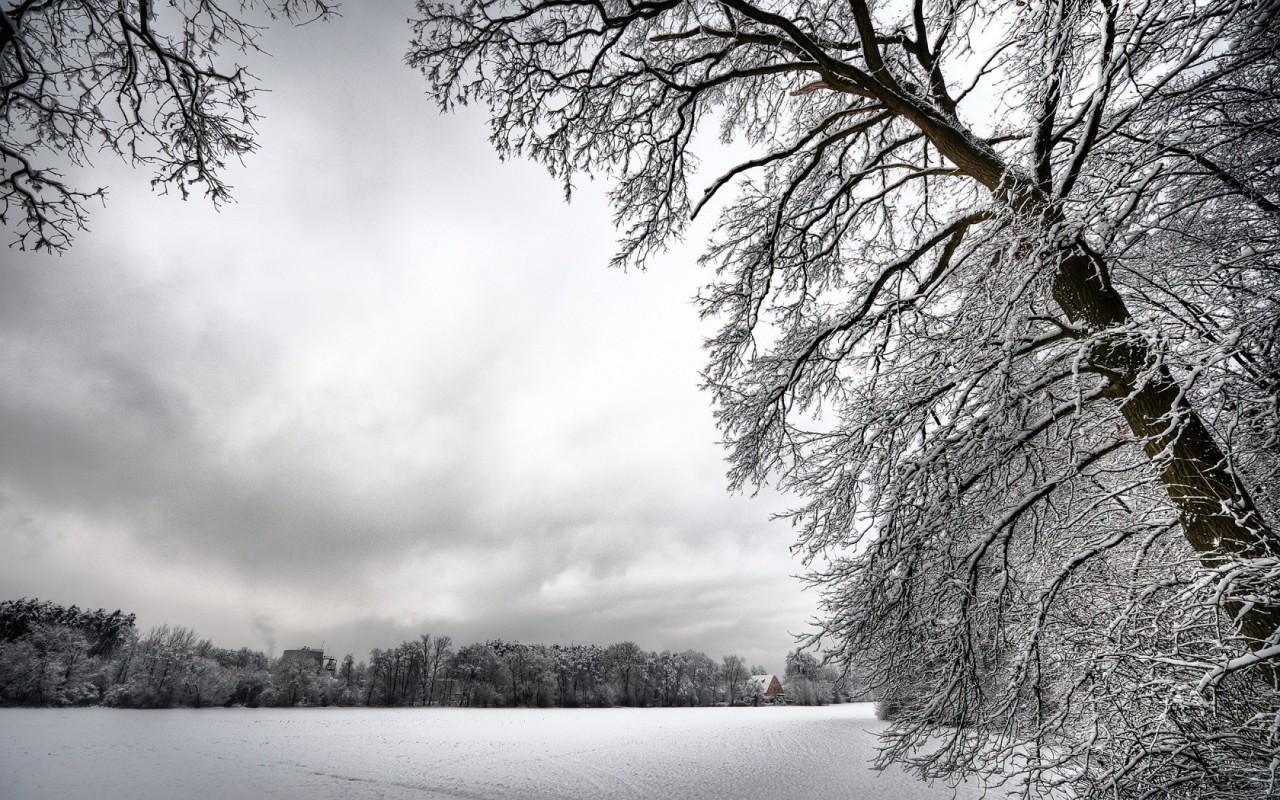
{"x":1218,"y":517}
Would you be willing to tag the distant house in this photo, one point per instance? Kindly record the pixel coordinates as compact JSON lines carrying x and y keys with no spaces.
{"x":307,"y":656}
{"x":765,"y":688}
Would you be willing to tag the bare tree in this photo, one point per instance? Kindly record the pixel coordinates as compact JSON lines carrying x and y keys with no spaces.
{"x":733,"y":671}
{"x":128,"y":77}
{"x":998,"y":300}
{"x":441,"y":649}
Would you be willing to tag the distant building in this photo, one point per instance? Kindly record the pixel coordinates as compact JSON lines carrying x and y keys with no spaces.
{"x":308,"y":656}
{"x":765,"y":688}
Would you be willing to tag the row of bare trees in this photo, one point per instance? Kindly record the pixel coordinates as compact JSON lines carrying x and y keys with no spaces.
{"x":56,"y":655}
{"x":507,"y":673}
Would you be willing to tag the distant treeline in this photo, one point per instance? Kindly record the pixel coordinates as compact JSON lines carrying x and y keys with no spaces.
{"x":52,"y":655}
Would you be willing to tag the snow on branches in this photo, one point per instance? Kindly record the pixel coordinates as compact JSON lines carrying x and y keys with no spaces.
{"x":998,"y":302}
{"x":126,"y":77}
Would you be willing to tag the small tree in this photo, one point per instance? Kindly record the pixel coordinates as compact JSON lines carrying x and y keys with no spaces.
{"x":625,"y":664}
{"x":733,"y":673}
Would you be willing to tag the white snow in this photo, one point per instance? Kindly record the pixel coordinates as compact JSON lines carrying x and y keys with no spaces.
{"x":740,"y":753}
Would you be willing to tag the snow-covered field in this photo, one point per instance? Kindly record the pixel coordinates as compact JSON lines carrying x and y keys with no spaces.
{"x":738,"y":753}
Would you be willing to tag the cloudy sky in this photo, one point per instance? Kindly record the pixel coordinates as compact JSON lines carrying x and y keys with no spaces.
{"x":392,"y":389}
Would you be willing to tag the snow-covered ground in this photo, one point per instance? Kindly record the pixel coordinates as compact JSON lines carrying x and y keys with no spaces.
{"x":738,"y":753}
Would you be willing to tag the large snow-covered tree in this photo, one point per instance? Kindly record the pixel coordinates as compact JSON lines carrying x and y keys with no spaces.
{"x":142,"y":80}
{"x":998,"y":299}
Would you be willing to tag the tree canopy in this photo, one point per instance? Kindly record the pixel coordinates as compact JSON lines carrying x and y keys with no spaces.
{"x":998,"y":301}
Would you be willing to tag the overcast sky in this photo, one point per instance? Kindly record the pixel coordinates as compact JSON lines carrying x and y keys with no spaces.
{"x":393,"y":389}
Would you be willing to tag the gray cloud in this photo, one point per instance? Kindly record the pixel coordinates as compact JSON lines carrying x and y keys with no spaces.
{"x":393,"y":388}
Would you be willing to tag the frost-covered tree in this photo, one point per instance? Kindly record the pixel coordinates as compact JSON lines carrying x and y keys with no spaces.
{"x":801,"y":664}
{"x":139,"y":79}
{"x":625,"y":665}
{"x":998,"y":300}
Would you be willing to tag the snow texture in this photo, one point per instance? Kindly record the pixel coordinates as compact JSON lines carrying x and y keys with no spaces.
{"x":740,"y":753}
